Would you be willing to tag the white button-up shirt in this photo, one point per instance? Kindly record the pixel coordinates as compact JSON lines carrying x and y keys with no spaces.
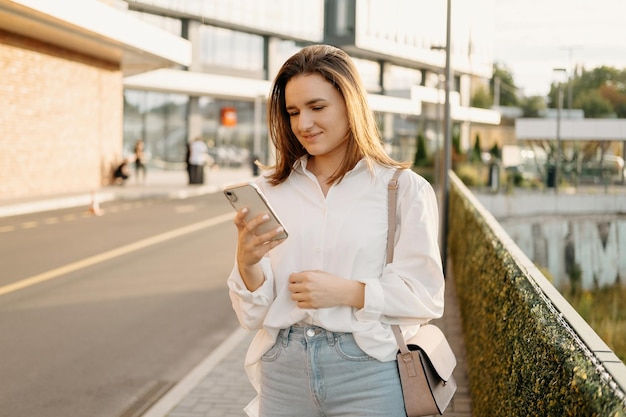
{"x":345,"y":234}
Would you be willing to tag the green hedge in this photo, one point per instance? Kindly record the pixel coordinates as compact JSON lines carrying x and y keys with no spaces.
{"x":523,"y":359}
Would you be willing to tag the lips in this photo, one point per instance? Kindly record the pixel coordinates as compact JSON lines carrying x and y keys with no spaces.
{"x":310,"y":137}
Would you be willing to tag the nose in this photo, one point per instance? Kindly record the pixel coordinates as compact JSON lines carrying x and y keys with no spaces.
{"x":305,"y":121}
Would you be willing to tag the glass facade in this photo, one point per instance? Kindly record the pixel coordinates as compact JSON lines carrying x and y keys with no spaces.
{"x":264,"y":39}
{"x":224,"y":50}
{"x":160,"y":119}
{"x":232,"y":146}
{"x":370,"y":74}
{"x":399,"y":80}
{"x":302,"y":20}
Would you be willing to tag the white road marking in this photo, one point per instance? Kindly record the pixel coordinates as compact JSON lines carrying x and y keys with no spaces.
{"x":105,"y":256}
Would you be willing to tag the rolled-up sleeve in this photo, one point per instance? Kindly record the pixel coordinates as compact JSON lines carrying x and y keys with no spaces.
{"x":251,"y":306}
{"x":374,"y":301}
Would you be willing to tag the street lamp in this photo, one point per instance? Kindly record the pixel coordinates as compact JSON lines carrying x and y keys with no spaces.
{"x":447,"y":144}
{"x":447,"y":141}
{"x":438,"y":124}
{"x":558,"y":131}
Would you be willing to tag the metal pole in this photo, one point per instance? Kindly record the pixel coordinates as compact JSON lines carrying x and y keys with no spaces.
{"x":559,"y":106}
{"x":258,"y":120}
{"x":447,"y":144}
{"x":438,"y":131}
{"x":558,"y":138}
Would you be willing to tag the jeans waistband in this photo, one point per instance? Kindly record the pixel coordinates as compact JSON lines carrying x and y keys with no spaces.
{"x":303,"y":333}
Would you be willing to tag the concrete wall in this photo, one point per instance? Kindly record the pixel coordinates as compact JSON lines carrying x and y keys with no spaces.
{"x":563,"y":232}
{"x":60,"y":120}
{"x":597,"y":244}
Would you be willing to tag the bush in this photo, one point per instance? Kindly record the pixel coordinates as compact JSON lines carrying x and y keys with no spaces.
{"x":472,"y":175}
{"x":523,"y":359}
{"x":421,"y":156}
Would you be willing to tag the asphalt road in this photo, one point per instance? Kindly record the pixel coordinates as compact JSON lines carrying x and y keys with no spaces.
{"x":101,"y":313}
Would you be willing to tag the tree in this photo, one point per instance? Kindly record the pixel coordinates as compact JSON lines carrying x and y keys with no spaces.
{"x":456,"y":142}
{"x":600,"y":92}
{"x":421,"y":156}
{"x":593,"y":104}
{"x":481,"y":98}
{"x":475,"y":156}
{"x":595,"y":78}
{"x":508,"y":90}
{"x":495,"y":152}
{"x":616,"y":96}
{"x":532,"y":106}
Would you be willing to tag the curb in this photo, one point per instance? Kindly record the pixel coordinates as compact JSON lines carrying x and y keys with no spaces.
{"x":103,"y":196}
{"x":54,"y":204}
{"x":175,"y":395}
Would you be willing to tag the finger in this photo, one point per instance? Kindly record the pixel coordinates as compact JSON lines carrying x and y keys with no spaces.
{"x":240,"y":217}
{"x":252,"y":224}
{"x":277,"y":241}
{"x":295,"y":277}
{"x":271,"y":236}
{"x":297,"y":297}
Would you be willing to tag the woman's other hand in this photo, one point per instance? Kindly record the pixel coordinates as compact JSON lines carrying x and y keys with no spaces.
{"x":319,"y":289}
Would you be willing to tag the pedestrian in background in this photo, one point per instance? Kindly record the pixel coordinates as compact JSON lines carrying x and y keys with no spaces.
{"x":322,"y":300}
{"x":198,"y":156}
{"x":140,"y":161}
{"x":120,"y":175}
{"x":187,"y":161}
{"x":254,"y":164}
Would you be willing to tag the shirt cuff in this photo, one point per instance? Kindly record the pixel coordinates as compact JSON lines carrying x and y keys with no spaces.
{"x":373,"y":302}
{"x":262,"y":295}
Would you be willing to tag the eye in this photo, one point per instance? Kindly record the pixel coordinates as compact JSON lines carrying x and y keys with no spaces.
{"x":318,"y":108}
{"x":293,"y":113}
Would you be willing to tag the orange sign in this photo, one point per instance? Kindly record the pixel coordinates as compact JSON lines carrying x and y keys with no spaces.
{"x":228,"y":116}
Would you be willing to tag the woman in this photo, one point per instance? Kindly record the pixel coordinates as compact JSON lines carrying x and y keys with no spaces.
{"x":140,"y":161}
{"x":323,"y":299}
{"x":198,"y":155}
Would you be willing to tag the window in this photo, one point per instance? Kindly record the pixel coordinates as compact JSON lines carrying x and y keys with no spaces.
{"x":223,"y":48}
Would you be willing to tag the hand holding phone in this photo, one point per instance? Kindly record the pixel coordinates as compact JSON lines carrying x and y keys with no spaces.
{"x":249,"y":195}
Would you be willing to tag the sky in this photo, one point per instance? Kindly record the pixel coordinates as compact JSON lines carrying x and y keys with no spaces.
{"x":532,"y":37}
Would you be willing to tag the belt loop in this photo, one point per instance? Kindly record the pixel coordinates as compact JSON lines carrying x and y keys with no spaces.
{"x":330,"y":336}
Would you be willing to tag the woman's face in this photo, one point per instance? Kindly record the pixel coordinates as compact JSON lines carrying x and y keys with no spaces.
{"x":318,"y":115}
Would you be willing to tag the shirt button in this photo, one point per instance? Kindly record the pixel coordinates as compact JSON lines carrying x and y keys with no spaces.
{"x":310,"y":332}
{"x":317,"y":250}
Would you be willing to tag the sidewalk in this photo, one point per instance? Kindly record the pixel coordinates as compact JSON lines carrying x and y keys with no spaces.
{"x":218,"y":386}
{"x":159,"y":183}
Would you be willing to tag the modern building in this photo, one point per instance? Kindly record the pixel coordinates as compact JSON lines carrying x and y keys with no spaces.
{"x":214,"y":80}
{"x":62,"y":69}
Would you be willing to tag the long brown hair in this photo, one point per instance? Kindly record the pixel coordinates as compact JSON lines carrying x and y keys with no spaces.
{"x":338,"y":69}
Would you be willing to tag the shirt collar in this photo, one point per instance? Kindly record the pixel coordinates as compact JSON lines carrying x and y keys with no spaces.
{"x":300,"y":165}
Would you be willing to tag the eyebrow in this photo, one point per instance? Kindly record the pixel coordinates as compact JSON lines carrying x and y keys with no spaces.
{"x":308,"y":103}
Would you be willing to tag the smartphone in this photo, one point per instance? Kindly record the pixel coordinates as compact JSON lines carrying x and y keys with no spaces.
{"x":249,"y":195}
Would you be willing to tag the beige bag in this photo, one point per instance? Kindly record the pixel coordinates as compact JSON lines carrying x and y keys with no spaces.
{"x":425,"y":361}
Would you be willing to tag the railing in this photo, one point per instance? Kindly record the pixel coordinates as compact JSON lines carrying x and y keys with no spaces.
{"x":529,"y":352}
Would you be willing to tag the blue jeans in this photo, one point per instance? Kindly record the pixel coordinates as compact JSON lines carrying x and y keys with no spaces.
{"x":312,"y":372}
